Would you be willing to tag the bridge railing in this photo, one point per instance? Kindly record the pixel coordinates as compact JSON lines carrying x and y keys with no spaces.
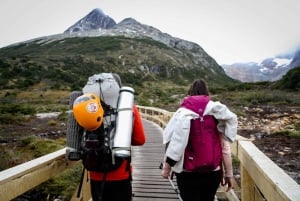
{"x":261,"y":178}
{"x":21,"y":178}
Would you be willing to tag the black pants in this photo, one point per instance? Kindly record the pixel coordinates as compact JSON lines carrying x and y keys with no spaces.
{"x":111,"y":190}
{"x":195,"y":186}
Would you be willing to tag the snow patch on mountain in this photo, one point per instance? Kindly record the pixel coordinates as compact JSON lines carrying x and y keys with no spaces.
{"x":269,"y":69}
{"x":272,"y":64}
{"x":282,"y":62}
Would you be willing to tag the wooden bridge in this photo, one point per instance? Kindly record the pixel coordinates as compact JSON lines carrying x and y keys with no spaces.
{"x":261,"y":179}
{"x":147,"y":182}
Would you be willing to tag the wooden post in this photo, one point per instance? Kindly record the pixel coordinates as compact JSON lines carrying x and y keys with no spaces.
{"x":247,"y":186}
{"x":85,"y":193}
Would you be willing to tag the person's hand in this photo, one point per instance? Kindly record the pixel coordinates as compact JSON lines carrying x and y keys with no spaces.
{"x":166,"y":170}
{"x":229,"y":182}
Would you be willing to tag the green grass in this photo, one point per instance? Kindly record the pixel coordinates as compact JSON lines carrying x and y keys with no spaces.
{"x":63,"y":185}
{"x":292,"y":131}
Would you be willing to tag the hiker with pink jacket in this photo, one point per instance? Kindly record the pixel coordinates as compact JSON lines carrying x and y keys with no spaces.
{"x":197,"y":139}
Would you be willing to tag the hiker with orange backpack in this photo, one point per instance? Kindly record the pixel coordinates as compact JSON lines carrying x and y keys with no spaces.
{"x":103,"y":126}
{"x":197,"y":142}
{"x":116,"y":184}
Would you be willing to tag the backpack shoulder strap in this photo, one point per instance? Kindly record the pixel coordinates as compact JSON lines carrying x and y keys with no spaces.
{"x":108,"y":110}
{"x":80,"y":183}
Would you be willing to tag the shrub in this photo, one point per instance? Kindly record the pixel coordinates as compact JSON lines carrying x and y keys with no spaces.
{"x":52,"y":122}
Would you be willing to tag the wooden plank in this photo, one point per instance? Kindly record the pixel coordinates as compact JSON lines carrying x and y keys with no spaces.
{"x":154,"y":195}
{"x":29,"y":166}
{"x":270,"y":179}
{"x":19,"y":179}
{"x":247,"y":186}
{"x":85,"y":193}
{"x":138,"y":198}
{"x":147,"y":182}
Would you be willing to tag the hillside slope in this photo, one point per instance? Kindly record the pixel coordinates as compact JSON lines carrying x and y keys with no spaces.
{"x":68,"y":62}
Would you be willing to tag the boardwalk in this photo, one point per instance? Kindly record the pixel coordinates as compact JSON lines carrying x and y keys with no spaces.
{"x":147,"y":182}
{"x":272,"y":182}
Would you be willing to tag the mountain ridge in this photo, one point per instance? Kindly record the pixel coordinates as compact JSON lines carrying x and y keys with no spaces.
{"x":269,"y":69}
{"x":97,"y":23}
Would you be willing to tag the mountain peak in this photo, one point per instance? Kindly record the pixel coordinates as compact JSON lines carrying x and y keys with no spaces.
{"x":97,"y":11}
{"x":96,"y":19}
{"x":129,"y":20}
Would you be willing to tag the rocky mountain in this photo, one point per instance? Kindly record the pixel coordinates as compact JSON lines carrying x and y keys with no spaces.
{"x":96,"y":19}
{"x":97,"y":24}
{"x":269,"y":69}
{"x":129,"y":27}
{"x":146,"y":58}
{"x":296,"y":59}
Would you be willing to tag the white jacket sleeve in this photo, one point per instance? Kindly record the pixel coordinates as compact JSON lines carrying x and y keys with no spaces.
{"x":228,"y":122}
{"x":179,"y":139}
{"x":176,"y":134}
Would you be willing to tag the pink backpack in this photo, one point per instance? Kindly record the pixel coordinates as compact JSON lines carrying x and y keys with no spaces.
{"x":203,"y":152}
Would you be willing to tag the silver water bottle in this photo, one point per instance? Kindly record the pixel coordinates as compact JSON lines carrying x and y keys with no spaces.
{"x":124,"y":123}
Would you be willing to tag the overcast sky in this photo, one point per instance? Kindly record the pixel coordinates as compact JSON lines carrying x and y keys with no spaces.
{"x":228,"y":30}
